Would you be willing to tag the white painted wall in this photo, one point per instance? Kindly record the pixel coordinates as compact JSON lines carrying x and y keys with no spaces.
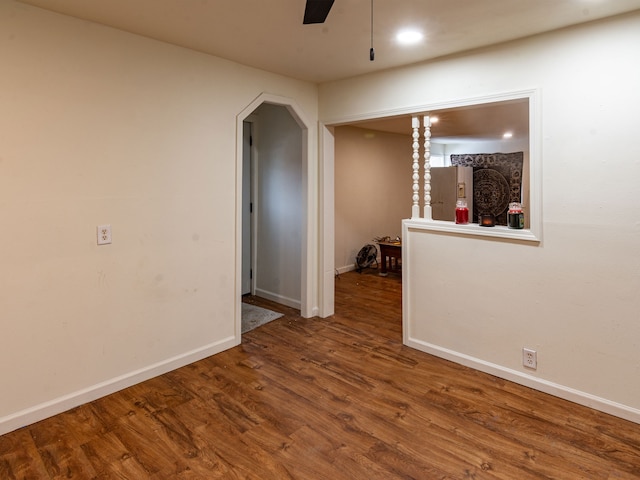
{"x":372,"y":189}
{"x":279,"y":205}
{"x":99,"y":126}
{"x":576,"y":293}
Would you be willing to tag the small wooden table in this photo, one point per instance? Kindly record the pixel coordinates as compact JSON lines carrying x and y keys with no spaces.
{"x":389,"y":250}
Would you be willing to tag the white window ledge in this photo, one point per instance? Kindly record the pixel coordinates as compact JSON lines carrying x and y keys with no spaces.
{"x":472,"y":229}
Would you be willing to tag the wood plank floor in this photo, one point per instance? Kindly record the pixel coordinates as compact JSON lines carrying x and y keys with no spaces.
{"x":337,"y":398}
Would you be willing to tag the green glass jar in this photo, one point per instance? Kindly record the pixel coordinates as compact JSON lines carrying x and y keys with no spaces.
{"x":515,"y":217}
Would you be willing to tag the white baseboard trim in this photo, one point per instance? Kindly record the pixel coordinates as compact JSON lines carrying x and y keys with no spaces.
{"x":346,"y":268}
{"x":522,"y":378}
{"x":53,"y":407}
{"x":275,"y":297}
{"x":350,"y":268}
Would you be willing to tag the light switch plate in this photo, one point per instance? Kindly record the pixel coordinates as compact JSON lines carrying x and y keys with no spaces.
{"x":104,"y":234}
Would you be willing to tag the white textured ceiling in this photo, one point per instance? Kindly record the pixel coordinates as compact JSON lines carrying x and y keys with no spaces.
{"x":483,"y":122}
{"x":269,"y":34}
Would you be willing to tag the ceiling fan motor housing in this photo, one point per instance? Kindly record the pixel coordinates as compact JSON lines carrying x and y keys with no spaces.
{"x":316,"y":11}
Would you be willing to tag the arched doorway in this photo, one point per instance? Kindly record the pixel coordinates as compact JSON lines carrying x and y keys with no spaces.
{"x":276,"y":269}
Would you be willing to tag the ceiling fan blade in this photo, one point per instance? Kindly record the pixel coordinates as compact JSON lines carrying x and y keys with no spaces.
{"x":316,"y":11}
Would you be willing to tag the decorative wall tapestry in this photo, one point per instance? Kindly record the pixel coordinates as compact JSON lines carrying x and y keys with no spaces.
{"x":497,"y":181}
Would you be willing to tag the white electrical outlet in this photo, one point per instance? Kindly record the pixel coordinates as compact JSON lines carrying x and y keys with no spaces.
{"x":104,"y":234}
{"x":529,"y":358}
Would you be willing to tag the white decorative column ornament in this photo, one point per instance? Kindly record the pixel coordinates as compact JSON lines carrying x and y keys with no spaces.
{"x":415,"y":125}
{"x":427,"y":167}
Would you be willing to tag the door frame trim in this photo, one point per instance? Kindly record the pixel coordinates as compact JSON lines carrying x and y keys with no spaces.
{"x":309,"y":261}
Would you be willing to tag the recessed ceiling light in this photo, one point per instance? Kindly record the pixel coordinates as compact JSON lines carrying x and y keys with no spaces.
{"x":409,"y":37}
{"x":434,"y":119}
{"x":507,"y":135}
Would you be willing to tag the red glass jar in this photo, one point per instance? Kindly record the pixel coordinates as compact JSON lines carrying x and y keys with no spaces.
{"x":462,"y":212}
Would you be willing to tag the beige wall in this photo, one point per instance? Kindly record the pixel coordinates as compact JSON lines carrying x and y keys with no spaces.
{"x":99,"y":126}
{"x":574,"y":296}
{"x":278,"y":205}
{"x":372,"y":189}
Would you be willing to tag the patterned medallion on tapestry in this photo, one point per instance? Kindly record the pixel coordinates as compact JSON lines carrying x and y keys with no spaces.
{"x":497,"y":181}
